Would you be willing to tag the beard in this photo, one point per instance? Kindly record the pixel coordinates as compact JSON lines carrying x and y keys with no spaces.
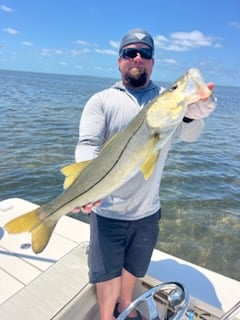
{"x":136,"y":77}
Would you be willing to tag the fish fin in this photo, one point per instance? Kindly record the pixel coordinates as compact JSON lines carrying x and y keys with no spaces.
{"x":23,"y":223}
{"x":40,"y":228}
{"x":41,"y":235}
{"x":72,"y":171}
{"x":149,"y":164}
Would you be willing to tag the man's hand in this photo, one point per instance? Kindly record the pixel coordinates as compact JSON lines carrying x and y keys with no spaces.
{"x":202,"y":108}
{"x":87,"y":208}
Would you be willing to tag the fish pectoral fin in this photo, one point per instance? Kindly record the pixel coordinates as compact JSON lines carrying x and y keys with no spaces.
{"x":72,"y":171}
{"x":41,"y":235}
{"x":149,"y":164}
{"x":23,"y":223}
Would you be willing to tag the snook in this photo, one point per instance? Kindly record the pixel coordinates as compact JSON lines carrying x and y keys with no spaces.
{"x":135,"y":148}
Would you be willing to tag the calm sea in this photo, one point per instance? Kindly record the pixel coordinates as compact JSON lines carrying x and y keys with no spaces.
{"x":200,"y":191}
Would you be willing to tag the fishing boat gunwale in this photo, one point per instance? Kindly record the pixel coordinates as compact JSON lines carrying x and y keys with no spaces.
{"x":62,"y":291}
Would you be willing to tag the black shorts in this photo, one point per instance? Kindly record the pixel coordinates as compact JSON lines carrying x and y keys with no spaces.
{"x":117,"y":244}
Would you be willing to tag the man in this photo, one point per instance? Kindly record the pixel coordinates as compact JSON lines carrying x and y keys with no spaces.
{"x":124,"y":225}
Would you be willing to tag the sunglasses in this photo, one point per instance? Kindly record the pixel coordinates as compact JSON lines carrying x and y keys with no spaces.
{"x":131,"y":53}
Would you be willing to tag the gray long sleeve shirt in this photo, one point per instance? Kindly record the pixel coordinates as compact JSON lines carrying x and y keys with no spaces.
{"x":106,"y":113}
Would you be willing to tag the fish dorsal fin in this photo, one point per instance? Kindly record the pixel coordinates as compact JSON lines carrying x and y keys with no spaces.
{"x":72,"y":171}
{"x":149,"y":164}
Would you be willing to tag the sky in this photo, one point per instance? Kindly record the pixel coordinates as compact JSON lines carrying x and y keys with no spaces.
{"x":81,"y":37}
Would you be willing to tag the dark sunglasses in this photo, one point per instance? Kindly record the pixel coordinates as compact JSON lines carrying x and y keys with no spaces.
{"x":131,"y":53}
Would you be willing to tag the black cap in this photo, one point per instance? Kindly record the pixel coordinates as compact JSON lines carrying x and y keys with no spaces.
{"x":136,"y":36}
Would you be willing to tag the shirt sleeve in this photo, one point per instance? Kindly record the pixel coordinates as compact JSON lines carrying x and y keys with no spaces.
{"x":190,"y":132}
{"x":91,"y":130}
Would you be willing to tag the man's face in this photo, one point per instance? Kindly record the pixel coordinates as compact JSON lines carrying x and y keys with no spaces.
{"x":135,"y":64}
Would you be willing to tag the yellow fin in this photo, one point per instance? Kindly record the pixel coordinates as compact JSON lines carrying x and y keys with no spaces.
{"x":31,"y":222}
{"x":23,"y":223}
{"x":149,"y":164}
{"x":41,"y":235}
{"x":72,"y":171}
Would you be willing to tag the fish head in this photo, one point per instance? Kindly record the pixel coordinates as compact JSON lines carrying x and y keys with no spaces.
{"x":195,"y":87}
{"x":167,"y":110}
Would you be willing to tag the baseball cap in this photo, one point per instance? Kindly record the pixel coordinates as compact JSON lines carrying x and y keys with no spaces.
{"x":136,"y":36}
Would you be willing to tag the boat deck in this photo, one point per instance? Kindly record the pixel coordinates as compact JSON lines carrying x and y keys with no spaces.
{"x":19,"y":265}
{"x":64,"y":259}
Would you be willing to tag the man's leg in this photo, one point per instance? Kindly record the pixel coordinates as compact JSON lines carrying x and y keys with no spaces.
{"x":128,"y":282}
{"x":107,"y":295}
{"x":138,"y":256}
{"x":121,"y":289}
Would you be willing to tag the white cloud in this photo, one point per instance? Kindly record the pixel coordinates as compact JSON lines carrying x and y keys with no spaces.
{"x":85,"y":50}
{"x":51,"y":52}
{"x":5,"y":8}
{"x":26,"y":43}
{"x":75,"y":52}
{"x":78,"y":52}
{"x":106,"y":51}
{"x":184,"y":41}
{"x":95,"y":47}
{"x":11,"y":31}
{"x":191,"y":39}
{"x":114,"y":44}
{"x":234,"y":24}
{"x":170,"y":61}
{"x":81,"y":42}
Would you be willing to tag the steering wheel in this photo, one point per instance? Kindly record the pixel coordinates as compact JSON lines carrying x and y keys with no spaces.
{"x":178,"y":300}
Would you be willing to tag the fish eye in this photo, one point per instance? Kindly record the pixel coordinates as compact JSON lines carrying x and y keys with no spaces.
{"x":174,"y":86}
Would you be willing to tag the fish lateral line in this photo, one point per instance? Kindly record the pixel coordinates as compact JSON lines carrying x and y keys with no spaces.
{"x":104,"y":176}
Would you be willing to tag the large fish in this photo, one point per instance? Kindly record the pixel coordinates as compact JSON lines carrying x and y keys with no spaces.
{"x":134,"y":148}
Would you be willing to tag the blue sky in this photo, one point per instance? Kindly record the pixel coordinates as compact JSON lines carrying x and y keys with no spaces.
{"x":82,"y":37}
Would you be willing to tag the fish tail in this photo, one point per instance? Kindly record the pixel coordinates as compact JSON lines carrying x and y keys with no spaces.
{"x":40,"y":228}
{"x":41,"y":235}
{"x":24,"y":223}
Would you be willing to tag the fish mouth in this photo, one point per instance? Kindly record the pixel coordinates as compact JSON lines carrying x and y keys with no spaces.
{"x":196,"y":88}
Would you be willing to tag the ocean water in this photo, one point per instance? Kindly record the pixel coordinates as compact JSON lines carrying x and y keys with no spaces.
{"x":200,"y":190}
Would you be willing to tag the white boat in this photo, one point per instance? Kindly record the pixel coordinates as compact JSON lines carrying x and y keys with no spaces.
{"x":54,"y":284}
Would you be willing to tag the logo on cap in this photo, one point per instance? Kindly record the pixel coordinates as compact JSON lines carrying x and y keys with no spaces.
{"x":140,"y":36}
